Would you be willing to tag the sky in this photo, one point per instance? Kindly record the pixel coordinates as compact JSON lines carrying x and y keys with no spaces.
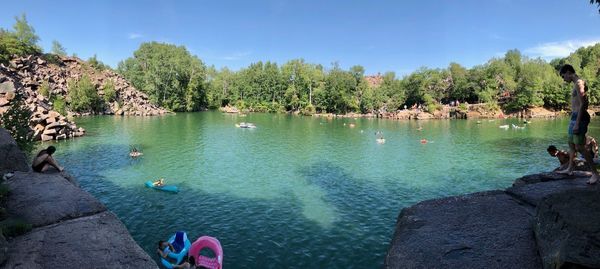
{"x":398,"y":36}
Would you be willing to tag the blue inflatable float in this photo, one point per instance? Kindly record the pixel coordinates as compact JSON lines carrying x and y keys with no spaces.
{"x":181,"y":244}
{"x":167,"y":188}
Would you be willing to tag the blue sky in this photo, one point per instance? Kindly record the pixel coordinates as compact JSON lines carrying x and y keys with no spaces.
{"x":398,"y":36}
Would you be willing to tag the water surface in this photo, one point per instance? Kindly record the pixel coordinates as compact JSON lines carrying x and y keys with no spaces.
{"x":296,"y":191}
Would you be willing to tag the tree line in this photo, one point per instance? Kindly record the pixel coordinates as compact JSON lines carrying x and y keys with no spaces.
{"x":177,"y":80}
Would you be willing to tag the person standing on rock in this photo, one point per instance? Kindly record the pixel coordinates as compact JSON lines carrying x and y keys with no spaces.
{"x":580,"y":119}
{"x":43,"y":160}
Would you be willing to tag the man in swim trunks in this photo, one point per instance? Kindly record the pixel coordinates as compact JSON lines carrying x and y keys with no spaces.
{"x":43,"y":160}
{"x":579,"y":122}
{"x":563,"y":157}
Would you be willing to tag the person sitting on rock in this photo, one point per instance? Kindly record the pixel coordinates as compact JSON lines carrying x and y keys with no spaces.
{"x":164,"y":248}
{"x":43,"y":160}
{"x":159,"y":183}
{"x":563,"y":157}
{"x":592,"y":146}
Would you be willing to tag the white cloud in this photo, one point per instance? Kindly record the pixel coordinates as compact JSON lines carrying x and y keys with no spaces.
{"x":236,"y":56}
{"x":559,"y":49}
{"x":134,"y":36}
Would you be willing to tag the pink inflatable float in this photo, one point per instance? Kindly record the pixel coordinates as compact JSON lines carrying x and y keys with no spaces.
{"x":212,"y":244}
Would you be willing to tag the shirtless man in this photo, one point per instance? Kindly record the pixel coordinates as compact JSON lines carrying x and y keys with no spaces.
{"x":563,"y":157}
{"x":579,"y":122}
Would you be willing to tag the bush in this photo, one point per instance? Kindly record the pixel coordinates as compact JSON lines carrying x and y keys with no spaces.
{"x":52,"y":59}
{"x":308,"y":110}
{"x":83,"y":95}
{"x":59,"y":104}
{"x":463,"y":107}
{"x":16,"y":121}
{"x":109,"y":91}
{"x":45,"y":89}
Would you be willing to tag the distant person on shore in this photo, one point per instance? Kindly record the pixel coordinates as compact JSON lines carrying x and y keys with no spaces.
{"x":164,"y":248}
{"x":579,"y":122}
{"x":43,"y":160}
{"x":563,"y":157}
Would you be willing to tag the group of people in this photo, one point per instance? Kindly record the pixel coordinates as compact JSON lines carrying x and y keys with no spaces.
{"x":578,"y":127}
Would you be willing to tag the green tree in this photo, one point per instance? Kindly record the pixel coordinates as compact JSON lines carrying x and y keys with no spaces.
{"x":58,"y":49}
{"x":82,"y":95}
{"x":16,"y":121}
{"x":169,"y":74}
{"x":25,"y":32}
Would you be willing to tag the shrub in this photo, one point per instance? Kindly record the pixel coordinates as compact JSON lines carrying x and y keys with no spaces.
{"x":83,"y":95}
{"x":59,"y":104}
{"x":45,"y":89}
{"x":109,"y":91}
{"x":16,"y":121}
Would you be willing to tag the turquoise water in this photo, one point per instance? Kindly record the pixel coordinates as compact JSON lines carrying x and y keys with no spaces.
{"x":296,"y":191}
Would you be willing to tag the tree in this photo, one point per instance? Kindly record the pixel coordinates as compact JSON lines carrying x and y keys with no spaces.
{"x":597,"y":2}
{"x":58,"y":49}
{"x":16,"y":121}
{"x":82,"y":95}
{"x":25,"y":32}
{"x":169,"y":74}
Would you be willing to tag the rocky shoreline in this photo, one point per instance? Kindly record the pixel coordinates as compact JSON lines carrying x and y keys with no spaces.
{"x":544,"y":220}
{"x":71,"y":228}
{"x":26,"y":75}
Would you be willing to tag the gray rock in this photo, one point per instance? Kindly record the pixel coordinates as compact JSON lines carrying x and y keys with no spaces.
{"x":534,"y":193}
{"x":549,"y":176}
{"x":42,"y":199}
{"x":567,"y":229}
{"x":98,"y":241}
{"x":7,"y":86}
{"x":3,"y":249}
{"x":11,"y":157}
{"x":480,"y":230}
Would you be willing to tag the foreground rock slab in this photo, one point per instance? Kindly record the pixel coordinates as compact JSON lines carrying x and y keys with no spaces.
{"x":534,"y":193}
{"x":480,"y":230}
{"x":42,"y":199}
{"x":72,"y":244}
{"x":567,"y":229}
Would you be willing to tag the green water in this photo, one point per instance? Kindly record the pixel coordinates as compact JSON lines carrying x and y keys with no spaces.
{"x":296,"y":191}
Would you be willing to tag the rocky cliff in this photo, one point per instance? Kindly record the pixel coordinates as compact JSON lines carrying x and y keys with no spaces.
{"x":26,"y":75}
{"x":543,"y":221}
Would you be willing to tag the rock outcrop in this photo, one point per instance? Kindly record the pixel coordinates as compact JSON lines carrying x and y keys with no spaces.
{"x":26,"y":75}
{"x":546,"y":220}
{"x":12,"y":157}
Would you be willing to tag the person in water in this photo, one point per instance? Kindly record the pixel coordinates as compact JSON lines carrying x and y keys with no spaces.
{"x":164,"y":248}
{"x":580,"y":119}
{"x":159,"y":183}
{"x":43,"y":160}
{"x":189,"y":263}
{"x":563,"y":157}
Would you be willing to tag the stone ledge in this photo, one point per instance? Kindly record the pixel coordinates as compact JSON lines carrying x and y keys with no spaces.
{"x":479,"y":230}
{"x":97,"y":241}
{"x":43,"y":199}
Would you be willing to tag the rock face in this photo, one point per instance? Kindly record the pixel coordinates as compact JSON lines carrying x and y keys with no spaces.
{"x":545,"y":220}
{"x":26,"y":75}
{"x":11,"y":158}
{"x":567,"y":229}
{"x":97,"y":241}
{"x":54,"y":197}
{"x":480,"y":230}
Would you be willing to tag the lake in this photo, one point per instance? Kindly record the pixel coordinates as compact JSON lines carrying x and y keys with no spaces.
{"x":296,"y":191}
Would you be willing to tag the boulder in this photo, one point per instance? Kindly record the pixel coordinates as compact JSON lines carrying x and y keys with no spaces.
{"x":3,"y":249}
{"x":97,"y":241}
{"x":567,"y":229}
{"x":535,"y":192}
{"x":4,"y":101}
{"x":54,"y":197}
{"x":479,"y":230}
{"x":548,"y":176}
{"x":49,"y":131}
{"x":7,"y":86}
{"x":11,"y":157}
{"x":46,"y":137}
